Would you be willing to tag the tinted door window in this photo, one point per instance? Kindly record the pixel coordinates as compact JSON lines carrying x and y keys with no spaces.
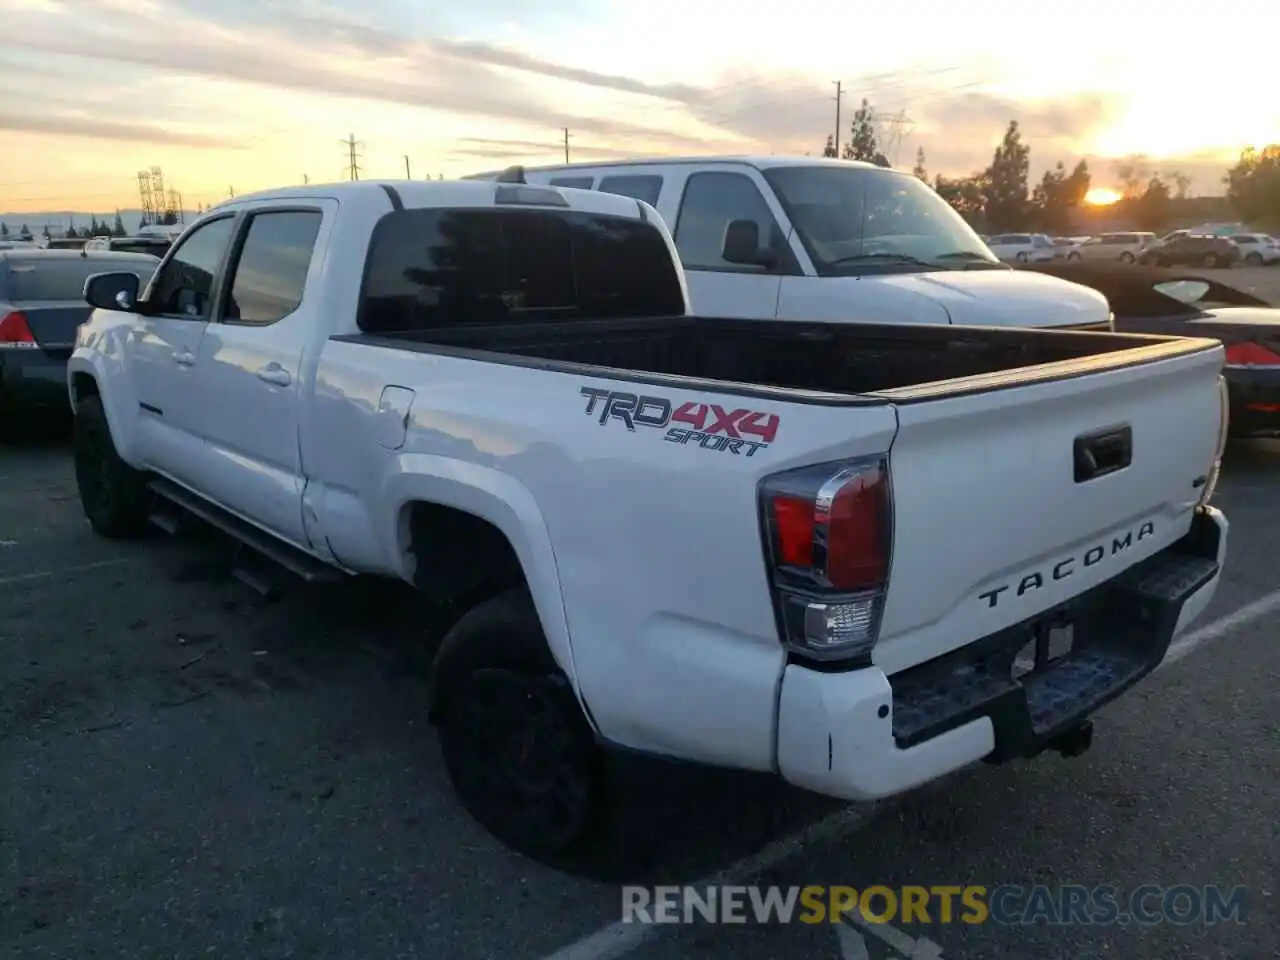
{"x":184,"y":285}
{"x":432,"y":269}
{"x":644,"y":188}
{"x":271,"y":270}
{"x":712,"y":200}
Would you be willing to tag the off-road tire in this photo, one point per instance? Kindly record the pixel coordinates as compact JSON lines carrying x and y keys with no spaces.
{"x":519,"y":751}
{"x":112,"y":493}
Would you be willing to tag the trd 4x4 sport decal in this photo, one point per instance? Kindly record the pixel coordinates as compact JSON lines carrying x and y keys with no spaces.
{"x":704,"y":425}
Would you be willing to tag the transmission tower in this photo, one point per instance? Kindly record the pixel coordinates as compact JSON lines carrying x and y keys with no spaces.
{"x":894,"y":129}
{"x":353,"y":157}
{"x":145,"y":195}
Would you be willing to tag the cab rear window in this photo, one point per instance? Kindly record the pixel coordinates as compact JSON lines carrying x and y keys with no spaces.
{"x":428,"y":269}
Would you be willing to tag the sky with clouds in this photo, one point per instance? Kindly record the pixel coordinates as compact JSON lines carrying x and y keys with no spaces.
{"x":246,"y":94}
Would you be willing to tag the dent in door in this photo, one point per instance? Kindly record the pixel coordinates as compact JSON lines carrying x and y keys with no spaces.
{"x":392,"y":420}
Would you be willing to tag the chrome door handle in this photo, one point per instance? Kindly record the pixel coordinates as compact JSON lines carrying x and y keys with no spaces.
{"x":275,"y":374}
{"x":184,"y":357}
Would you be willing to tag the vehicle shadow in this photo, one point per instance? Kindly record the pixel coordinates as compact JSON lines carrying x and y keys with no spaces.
{"x":673,"y":822}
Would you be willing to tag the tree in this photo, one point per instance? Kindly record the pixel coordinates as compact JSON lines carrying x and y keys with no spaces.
{"x":117,"y":229}
{"x":919,"y":170}
{"x":1133,"y":172}
{"x":1152,"y":208}
{"x":4,"y":229}
{"x":1253,"y":185}
{"x":1181,"y":183}
{"x":862,"y":143}
{"x":1058,"y":194}
{"x":967,"y":195}
{"x":24,"y":233}
{"x":46,"y":234}
{"x":1006,"y":186}
{"x":830,"y":149}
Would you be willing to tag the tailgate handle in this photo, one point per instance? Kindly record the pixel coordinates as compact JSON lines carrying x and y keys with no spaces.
{"x":1103,"y":452}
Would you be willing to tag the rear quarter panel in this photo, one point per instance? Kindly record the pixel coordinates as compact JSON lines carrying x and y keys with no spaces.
{"x":644,"y":554}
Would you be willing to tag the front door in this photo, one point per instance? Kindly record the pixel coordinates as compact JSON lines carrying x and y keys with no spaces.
{"x":717,"y":288}
{"x":249,"y":370}
{"x":165,"y":339}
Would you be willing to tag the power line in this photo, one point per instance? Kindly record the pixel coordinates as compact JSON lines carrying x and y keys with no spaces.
{"x":353,"y":164}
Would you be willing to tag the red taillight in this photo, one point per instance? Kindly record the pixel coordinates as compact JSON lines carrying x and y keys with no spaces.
{"x":829,"y":532}
{"x":15,"y":331}
{"x":1251,"y":355}
{"x":793,"y":519}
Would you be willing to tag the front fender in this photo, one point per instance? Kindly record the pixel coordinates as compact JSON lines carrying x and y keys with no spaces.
{"x":118,"y":399}
{"x":501,"y":500}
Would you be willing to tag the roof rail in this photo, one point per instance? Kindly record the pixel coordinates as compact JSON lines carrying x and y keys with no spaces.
{"x":513,"y":174}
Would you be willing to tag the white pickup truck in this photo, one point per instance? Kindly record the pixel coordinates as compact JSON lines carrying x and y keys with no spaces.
{"x":850,"y":554}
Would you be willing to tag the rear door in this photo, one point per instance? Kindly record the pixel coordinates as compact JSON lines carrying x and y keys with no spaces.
{"x":245,"y":403}
{"x":998,"y":517}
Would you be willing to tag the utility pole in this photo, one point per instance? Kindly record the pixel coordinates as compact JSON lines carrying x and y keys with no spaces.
{"x":839,"y":97}
{"x":231,"y":193}
{"x":407,"y":174}
{"x":566,"y":144}
{"x":305,"y":179}
{"x":353,"y":165}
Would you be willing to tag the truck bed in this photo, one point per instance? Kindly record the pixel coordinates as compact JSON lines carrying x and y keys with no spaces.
{"x":827,"y":358}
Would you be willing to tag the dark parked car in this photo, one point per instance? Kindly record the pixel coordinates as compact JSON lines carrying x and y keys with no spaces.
{"x":1192,"y":250}
{"x":1146,"y":300}
{"x":41,"y":304}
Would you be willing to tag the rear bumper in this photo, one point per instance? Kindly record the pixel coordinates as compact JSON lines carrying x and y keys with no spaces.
{"x":1254,"y":394}
{"x":864,"y":735}
{"x":30,"y":380}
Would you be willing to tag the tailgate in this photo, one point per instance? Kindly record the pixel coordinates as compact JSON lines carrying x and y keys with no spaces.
{"x":1011,"y":501}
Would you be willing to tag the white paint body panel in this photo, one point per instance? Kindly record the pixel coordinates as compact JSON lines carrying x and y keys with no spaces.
{"x":644,"y":557}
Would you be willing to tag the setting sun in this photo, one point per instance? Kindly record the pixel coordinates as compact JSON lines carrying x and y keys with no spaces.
{"x":1102,"y":196}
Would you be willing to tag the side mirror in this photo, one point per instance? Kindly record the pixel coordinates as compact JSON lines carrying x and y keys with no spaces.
{"x":112,"y":291}
{"x":742,"y":245}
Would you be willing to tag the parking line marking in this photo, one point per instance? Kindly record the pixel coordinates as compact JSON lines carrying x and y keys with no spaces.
{"x":1223,"y":625}
{"x":45,"y":574}
{"x":619,"y":938}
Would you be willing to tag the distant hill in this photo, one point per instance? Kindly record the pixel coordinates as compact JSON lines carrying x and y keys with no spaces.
{"x":58,"y":220}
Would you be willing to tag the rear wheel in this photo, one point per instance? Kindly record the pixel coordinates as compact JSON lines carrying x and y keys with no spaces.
{"x":1073,"y":256}
{"x":1254,"y":259}
{"x":113,"y":494}
{"x":517,"y":746}
{"x":1126,"y":257}
{"x":1021,"y":258}
{"x":1211,"y":260}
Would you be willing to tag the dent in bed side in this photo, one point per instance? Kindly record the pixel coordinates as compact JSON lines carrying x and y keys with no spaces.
{"x":490,"y":495}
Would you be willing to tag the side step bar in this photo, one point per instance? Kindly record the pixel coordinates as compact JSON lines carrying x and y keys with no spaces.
{"x":297,"y":562}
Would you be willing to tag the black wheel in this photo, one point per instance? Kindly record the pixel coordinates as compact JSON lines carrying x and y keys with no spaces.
{"x":516,"y":744}
{"x":1073,"y":256}
{"x":1210,"y":260}
{"x":1021,"y":258}
{"x":113,"y":494}
{"x":1254,"y":259}
{"x":1126,"y":257}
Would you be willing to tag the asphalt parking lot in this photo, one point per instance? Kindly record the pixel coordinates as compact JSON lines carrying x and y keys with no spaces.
{"x":189,"y":771}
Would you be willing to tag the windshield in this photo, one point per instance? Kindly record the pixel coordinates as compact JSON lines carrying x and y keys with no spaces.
{"x":853,"y":219}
